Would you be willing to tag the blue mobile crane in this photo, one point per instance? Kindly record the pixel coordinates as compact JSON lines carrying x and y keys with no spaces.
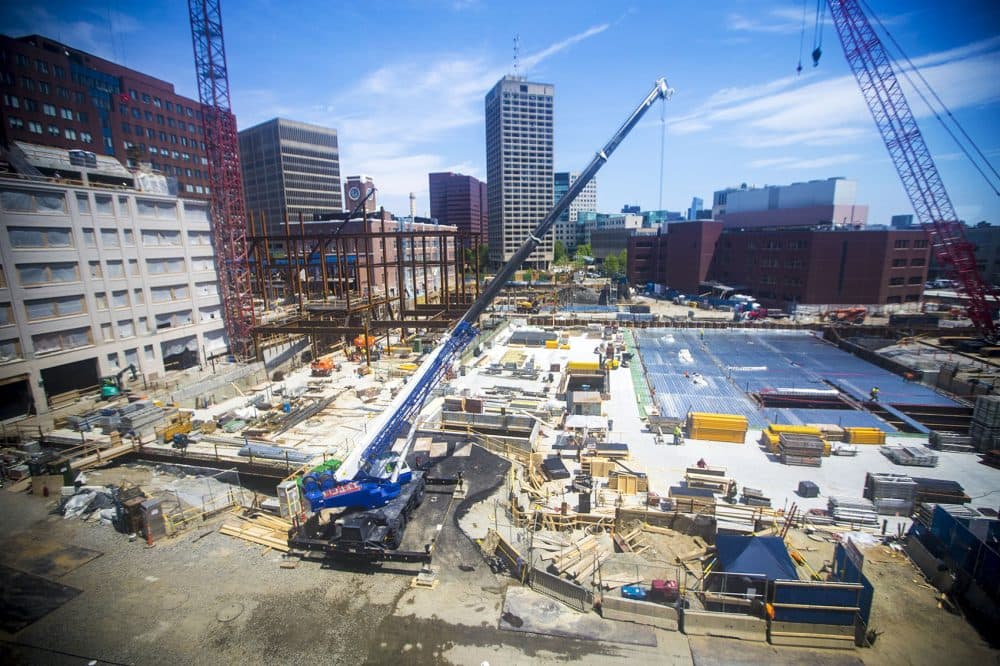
{"x":375,"y":485}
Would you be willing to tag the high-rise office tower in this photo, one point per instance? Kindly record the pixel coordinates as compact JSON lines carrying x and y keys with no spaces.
{"x":518,"y":166}
{"x":290,"y":168}
{"x":567,"y":230}
{"x":696,"y":205}
{"x":459,"y":200}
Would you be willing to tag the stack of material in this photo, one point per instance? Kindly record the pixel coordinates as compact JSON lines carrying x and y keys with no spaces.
{"x":717,"y":427}
{"x":802,"y":450}
{"x":710,"y":478}
{"x":892,"y":494}
{"x":453,"y":404}
{"x":628,"y":483}
{"x":575,"y":560}
{"x":771,"y":436}
{"x":735,"y":518}
{"x":925,"y":513}
{"x":865,"y":436}
{"x":940,"y":491}
{"x":142,"y":418}
{"x":985,"y":429}
{"x":830,"y":431}
{"x":910,"y":455}
{"x":691,"y":500}
{"x":259,"y":528}
{"x":852,"y":511}
{"x":274,"y":453}
{"x":951,"y":441}
{"x":755,"y":497}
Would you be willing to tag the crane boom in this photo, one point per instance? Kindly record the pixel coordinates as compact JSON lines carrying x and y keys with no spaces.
{"x":369,"y":464}
{"x":873,"y":70}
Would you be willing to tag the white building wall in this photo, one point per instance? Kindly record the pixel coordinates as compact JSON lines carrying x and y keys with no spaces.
{"x":117,"y":276}
{"x":829,"y":192}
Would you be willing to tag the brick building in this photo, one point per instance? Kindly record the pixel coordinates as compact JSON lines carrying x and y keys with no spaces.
{"x":55,"y":95}
{"x":784,"y":266}
{"x":460,"y":201}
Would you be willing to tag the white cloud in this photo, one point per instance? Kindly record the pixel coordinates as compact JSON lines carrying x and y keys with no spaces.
{"x":96,"y":37}
{"x":400,"y":110}
{"x":798,"y":164}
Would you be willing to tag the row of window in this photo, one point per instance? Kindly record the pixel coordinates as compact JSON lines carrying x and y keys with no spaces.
{"x":146,"y":98}
{"x":37,"y":128}
{"x":28,"y":104}
{"x":151,"y":133}
{"x":915,"y":261}
{"x":30,"y":201}
{"x":139,"y":114}
{"x":35,"y":275}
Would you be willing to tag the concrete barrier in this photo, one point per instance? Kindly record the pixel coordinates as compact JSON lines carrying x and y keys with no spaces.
{"x":813,"y":635}
{"x":640,"y":612}
{"x":571,"y":594}
{"x":730,"y":625}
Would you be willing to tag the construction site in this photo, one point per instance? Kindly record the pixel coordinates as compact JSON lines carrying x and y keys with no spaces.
{"x":409,"y":458}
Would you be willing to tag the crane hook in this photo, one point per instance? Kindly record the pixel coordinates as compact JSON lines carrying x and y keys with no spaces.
{"x":817,"y":52}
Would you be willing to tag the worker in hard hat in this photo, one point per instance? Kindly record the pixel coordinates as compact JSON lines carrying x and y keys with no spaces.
{"x":678,"y":435}
{"x":874,"y":394}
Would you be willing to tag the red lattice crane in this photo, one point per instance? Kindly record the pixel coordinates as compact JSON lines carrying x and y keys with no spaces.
{"x":873,"y":70}
{"x":229,"y":232}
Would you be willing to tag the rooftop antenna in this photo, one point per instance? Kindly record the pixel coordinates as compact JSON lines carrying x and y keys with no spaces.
{"x":517,"y":50}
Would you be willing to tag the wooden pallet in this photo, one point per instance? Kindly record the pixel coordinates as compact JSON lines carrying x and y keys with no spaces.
{"x":259,"y":528}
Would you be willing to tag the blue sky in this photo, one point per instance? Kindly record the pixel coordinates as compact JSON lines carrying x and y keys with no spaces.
{"x":403,"y":82}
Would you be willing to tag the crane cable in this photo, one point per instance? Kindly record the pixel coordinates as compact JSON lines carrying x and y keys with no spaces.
{"x":944,"y":106}
{"x":818,"y":33}
{"x":802,"y":34}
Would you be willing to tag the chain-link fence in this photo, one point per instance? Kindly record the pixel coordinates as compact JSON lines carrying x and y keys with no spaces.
{"x":193,"y":499}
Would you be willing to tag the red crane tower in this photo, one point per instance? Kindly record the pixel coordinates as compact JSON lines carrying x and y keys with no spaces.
{"x":229,"y":232}
{"x":873,"y":70}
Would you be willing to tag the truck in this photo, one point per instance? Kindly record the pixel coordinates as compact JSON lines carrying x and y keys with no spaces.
{"x":374,"y":487}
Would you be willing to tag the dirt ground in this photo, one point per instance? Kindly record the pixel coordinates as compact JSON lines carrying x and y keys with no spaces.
{"x":203,"y":597}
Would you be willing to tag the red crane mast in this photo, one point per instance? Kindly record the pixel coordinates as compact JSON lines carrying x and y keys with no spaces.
{"x":229,"y":232}
{"x":873,"y":70}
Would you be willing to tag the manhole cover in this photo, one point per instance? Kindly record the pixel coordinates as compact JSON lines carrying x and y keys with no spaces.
{"x":229,"y":612}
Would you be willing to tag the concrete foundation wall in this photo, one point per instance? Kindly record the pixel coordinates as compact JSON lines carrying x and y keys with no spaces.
{"x":640,"y":612}
{"x":813,"y":635}
{"x":730,"y":625}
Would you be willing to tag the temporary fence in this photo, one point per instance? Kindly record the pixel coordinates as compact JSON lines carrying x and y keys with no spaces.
{"x":192,"y":499}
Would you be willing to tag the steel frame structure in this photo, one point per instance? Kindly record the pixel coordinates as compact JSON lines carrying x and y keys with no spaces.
{"x":873,"y":70}
{"x":225,"y":176}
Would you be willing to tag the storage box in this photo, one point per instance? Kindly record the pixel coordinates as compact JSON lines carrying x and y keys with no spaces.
{"x":808,"y":489}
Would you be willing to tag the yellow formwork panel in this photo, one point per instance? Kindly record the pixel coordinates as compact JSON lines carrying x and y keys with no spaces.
{"x":865,"y":436}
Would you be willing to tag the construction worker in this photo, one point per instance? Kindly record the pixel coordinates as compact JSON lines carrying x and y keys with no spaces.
{"x":678,"y":435}
{"x":874,"y":394}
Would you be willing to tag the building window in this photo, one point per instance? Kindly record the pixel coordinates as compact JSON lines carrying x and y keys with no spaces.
{"x":116,"y":270}
{"x":174,"y":319}
{"x":44,"y":88}
{"x":895,"y":282}
{"x":146,"y":99}
{"x":33,"y":275}
{"x":109,"y":238}
{"x":133,"y":267}
{"x":6,"y":314}
{"x":85,"y":137}
{"x":126,"y":328}
{"x":11,"y":101}
{"x":157,"y":103}
{"x":49,"y":343}
{"x":89,"y":238}
{"x":70,"y":134}
{"x":35,"y":128}
{"x":897,"y":263}
{"x":920,"y":243}
{"x":10,"y":350}
{"x":66,"y":114}
{"x":51,"y":308}
{"x":139,"y":297}
{"x":160,"y":238}
{"x":42,"y":66}
{"x":83,"y":203}
{"x":101,"y":299}
{"x":39,"y":237}
{"x":166,"y":294}
{"x":16,"y":123}
{"x":49,"y":110}
{"x":164,"y":266}
{"x":917,"y":261}
{"x":95,"y":269}
{"x":901,"y":244}
{"x":163,"y":210}
{"x":170,"y":106}
{"x":133,"y":94}
{"x":102,"y":204}
{"x":30,"y":104}
{"x":119,"y":299}
{"x":82,"y":117}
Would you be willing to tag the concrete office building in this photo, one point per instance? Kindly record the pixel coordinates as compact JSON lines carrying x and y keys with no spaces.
{"x":519,"y":159}
{"x":93,"y":280}
{"x":567,"y":228}
{"x":290,"y":169}
{"x":782,"y":267}
{"x":460,"y":201}
{"x":829,"y":202}
{"x":56,"y":95}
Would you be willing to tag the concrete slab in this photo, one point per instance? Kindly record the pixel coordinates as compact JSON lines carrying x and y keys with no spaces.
{"x":528,"y":611}
{"x":711,"y":651}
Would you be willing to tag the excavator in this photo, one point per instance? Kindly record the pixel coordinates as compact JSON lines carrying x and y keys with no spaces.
{"x":848,"y":315}
{"x":112,"y":386}
{"x":374,"y":486}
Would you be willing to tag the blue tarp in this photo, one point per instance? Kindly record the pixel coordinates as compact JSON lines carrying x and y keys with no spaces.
{"x":765,"y":556}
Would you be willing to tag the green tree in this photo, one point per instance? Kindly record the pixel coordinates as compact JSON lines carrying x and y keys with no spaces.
{"x":559,"y":255}
{"x":611,"y":266}
{"x":484,"y":258}
{"x":584,"y":250}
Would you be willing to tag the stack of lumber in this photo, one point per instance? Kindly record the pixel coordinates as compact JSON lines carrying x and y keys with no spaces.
{"x":717,"y":427}
{"x":755,"y":497}
{"x":259,"y":528}
{"x":692,"y":500}
{"x":910,"y":455}
{"x":892,"y":494}
{"x":735,"y":518}
{"x":801,"y":449}
{"x":951,"y":441}
{"x":631,"y":541}
{"x":712,"y":478}
{"x":577,"y":560}
{"x":865,"y":436}
{"x":940,"y":491}
{"x":852,"y":511}
{"x":830,"y":431}
{"x":985,"y":428}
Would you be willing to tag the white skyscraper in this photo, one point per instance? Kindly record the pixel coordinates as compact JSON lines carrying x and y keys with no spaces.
{"x":518,"y":166}
{"x":566,"y":229}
